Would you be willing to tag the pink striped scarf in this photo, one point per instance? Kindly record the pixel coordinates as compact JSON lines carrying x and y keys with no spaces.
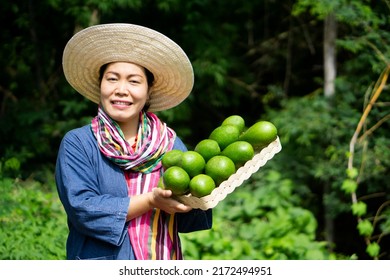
{"x":153,"y":235}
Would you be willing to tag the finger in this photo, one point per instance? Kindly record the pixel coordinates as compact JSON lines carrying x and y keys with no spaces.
{"x":162,"y":193}
{"x":166,"y":193}
{"x":183,"y":208}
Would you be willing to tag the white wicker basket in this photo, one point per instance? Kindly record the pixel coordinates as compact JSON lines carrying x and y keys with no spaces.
{"x":235,"y":180}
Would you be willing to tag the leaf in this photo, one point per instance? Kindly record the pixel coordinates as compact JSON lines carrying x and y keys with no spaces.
{"x":373,"y":249}
{"x":352,"y":173}
{"x":365,"y":228}
{"x":12,"y":164}
{"x":359,"y":208}
{"x":349,"y":186}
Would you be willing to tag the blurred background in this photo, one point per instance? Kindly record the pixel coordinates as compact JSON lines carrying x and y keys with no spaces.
{"x":317,"y":69}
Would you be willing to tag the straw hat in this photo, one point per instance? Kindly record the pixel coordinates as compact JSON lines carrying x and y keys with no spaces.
{"x":97,"y":45}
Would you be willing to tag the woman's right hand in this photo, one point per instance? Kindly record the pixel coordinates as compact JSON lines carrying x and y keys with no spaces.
{"x":163,"y":200}
{"x":157,"y":198}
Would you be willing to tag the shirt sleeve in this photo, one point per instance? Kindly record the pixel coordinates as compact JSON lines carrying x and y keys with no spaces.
{"x":91,"y":211}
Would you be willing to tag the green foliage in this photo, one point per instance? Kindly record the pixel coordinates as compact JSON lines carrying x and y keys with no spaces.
{"x":354,"y":13}
{"x":314,"y":143}
{"x":258,"y":59}
{"x":11,"y":167}
{"x":352,"y":173}
{"x":359,"y":208}
{"x":373,"y":249}
{"x":365,"y":228}
{"x":349,"y":186}
{"x":318,"y":149}
{"x":261,"y":219}
{"x":32,"y":221}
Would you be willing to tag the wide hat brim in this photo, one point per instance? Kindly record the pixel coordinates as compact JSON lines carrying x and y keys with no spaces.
{"x":97,"y":45}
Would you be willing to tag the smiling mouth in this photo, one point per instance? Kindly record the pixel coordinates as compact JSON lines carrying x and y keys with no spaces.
{"x":124,"y":103}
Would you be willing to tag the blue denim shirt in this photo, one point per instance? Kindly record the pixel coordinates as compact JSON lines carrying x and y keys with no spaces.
{"x":93,"y":191}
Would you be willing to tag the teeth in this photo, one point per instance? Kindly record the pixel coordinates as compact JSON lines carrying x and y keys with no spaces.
{"x":121,"y":103}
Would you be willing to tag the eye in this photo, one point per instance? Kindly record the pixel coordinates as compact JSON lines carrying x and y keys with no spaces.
{"x":111,"y":79}
{"x":134,"y":81}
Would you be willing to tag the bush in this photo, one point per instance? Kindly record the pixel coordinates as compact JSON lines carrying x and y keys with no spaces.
{"x":261,"y":219}
{"x":32,"y":221}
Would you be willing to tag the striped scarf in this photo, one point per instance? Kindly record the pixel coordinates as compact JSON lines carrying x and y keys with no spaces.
{"x":153,"y":235}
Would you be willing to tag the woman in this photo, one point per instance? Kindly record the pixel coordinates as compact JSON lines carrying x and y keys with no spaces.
{"x":107,"y":172}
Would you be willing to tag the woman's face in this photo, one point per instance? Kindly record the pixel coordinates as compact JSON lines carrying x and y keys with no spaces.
{"x":124,"y":91}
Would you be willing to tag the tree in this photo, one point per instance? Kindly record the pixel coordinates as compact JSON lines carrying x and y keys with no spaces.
{"x":356,"y":14}
{"x":259,"y":59}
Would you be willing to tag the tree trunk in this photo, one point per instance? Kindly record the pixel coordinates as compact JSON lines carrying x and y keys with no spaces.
{"x":330,"y":34}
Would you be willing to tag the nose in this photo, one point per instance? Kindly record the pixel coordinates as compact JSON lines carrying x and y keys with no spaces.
{"x":122,"y":89}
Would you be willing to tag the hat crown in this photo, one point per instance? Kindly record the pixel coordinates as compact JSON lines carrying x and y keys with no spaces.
{"x":91,"y":48}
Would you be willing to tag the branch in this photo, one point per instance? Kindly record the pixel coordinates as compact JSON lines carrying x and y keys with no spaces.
{"x":376,"y":218}
{"x":377,"y":91}
{"x":379,"y":86}
{"x":373,"y":128}
{"x":371,"y":196}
